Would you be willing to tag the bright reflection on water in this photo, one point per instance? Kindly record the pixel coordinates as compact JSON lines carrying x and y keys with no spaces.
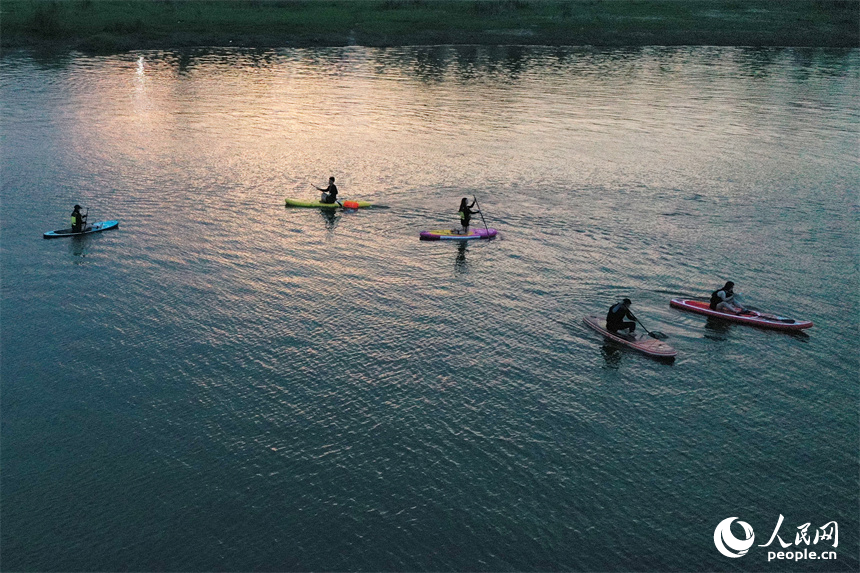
{"x":223,"y":383}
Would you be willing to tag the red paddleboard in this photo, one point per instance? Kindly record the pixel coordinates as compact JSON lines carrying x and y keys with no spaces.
{"x":642,"y":342}
{"x":753,"y":317}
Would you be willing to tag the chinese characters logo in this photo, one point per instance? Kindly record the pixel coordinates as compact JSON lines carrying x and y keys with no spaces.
{"x":733,"y":547}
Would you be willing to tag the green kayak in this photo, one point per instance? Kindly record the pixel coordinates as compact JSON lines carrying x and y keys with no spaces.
{"x":340,"y":205}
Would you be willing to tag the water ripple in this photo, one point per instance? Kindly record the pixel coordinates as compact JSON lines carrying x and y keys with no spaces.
{"x":224,"y":383}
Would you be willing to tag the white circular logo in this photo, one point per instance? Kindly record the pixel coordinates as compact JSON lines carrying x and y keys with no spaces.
{"x":727,"y":543}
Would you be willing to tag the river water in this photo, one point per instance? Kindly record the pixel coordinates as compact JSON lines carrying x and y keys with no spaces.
{"x":226,"y":384}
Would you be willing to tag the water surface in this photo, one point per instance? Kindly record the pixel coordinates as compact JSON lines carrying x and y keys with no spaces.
{"x":226,"y":384}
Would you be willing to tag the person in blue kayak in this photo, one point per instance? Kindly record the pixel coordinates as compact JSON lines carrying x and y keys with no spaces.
{"x":723,"y":299}
{"x":329,"y":194}
{"x":616,"y":315}
{"x":466,"y":214}
{"x":79,"y":220}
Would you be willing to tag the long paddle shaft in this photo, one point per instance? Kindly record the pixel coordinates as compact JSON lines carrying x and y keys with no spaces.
{"x":651,"y":334}
{"x":481,"y":213}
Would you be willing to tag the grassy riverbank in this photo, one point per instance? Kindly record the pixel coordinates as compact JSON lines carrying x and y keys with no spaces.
{"x":115,"y":25}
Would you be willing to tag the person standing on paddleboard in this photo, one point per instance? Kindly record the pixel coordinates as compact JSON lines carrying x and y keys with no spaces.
{"x":329,"y":194}
{"x":78,"y":220}
{"x":616,"y":315}
{"x":466,"y":214}
{"x":724,"y":299}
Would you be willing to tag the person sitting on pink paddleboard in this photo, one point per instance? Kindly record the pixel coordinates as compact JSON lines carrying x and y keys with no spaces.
{"x":724,"y":299}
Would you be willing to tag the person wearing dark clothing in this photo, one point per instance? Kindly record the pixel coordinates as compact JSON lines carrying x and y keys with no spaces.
{"x":723,"y":299}
{"x":616,"y":315}
{"x":466,"y":214}
{"x":329,"y":194}
{"x":78,"y":220}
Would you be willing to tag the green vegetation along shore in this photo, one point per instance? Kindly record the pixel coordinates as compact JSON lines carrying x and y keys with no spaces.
{"x":117,"y":26}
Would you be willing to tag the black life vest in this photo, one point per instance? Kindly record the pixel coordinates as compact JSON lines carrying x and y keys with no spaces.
{"x":616,"y":314}
{"x":716,"y":299}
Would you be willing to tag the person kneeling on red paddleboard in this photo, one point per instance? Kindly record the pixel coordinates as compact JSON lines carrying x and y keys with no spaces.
{"x":616,"y":315}
{"x":723,"y":299}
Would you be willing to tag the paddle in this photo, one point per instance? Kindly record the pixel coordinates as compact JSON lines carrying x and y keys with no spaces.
{"x":656,"y":334}
{"x":771,"y":317}
{"x":481,"y":213}
{"x":752,"y":312}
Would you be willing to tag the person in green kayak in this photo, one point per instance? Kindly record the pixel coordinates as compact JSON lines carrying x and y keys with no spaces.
{"x":616,"y":315}
{"x":723,"y":300}
{"x":329,"y":194}
{"x":466,"y":214}
{"x":79,"y":220}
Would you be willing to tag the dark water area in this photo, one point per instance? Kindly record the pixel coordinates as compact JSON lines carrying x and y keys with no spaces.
{"x":225,"y":384}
